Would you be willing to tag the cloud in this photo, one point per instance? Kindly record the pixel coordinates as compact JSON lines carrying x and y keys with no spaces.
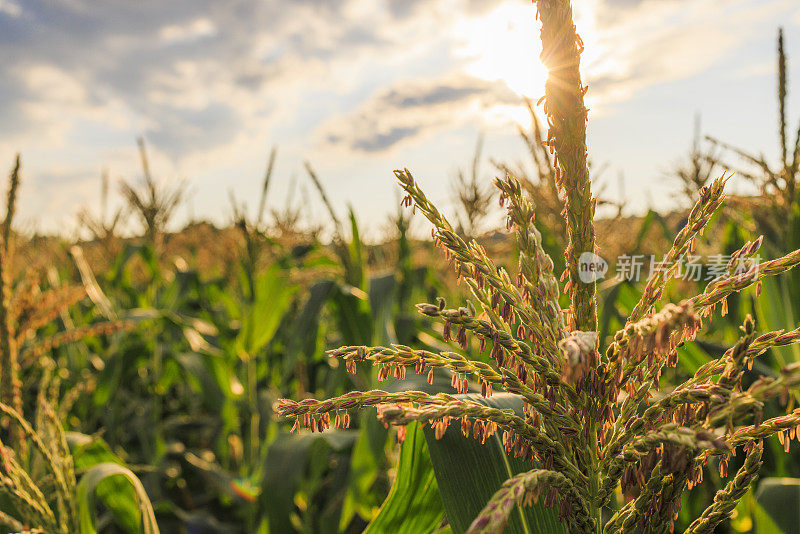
{"x":381,"y":140}
{"x":197,"y":29}
{"x":640,"y":43}
{"x":210,"y":83}
{"x":190,"y":70}
{"x":79,"y":80}
{"x":413,"y":109}
{"x":187,"y":73}
{"x":401,"y":9}
{"x":10,"y":8}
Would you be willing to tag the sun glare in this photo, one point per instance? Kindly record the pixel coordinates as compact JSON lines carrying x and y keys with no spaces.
{"x":493,"y":44}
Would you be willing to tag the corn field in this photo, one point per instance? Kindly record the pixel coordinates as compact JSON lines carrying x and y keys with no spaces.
{"x":278,"y":375}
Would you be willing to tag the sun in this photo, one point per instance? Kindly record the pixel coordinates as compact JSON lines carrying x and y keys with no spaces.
{"x":499,"y":46}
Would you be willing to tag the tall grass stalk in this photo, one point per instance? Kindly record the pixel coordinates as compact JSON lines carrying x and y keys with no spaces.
{"x":563,"y":103}
{"x":10,"y":385}
{"x":262,"y":203}
{"x":567,"y":114}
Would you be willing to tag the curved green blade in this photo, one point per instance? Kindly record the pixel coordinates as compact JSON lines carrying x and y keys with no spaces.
{"x":469,"y":473}
{"x":413,"y":504}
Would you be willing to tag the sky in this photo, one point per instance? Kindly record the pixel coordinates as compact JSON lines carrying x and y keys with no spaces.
{"x":361,"y":87}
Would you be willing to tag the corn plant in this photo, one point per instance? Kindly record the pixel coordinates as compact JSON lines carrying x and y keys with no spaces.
{"x":41,"y":489}
{"x":154,"y":206}
{"x":777,"y":185}
{"x":591,"y":421}
{"x":10,"y":386}
{"x":103,"y":228}
{"x":699,"y":168}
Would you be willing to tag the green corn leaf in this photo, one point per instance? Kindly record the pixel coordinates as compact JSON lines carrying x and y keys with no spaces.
{"x":778,"y":506}
{"x":692,"y":356}
{"x":366,"y":464}
{"x":774,"y":312}
{"x":469,"y":473}
{"x":285,"y":467}
{"x":239,"y":490}
{"x":305,"y":328}
{"x":352,"y":314}
{"x":87,"y":489}
{"x":357,"y":267}
{"x":272,"y":297}
{"x":413,"y":505}
{"x":381,"y":291}
{"x":196,"y":366}
{"x":116,"y":495}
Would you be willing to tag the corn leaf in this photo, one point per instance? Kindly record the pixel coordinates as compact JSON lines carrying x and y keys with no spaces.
{"x":305,"y":328}
{"x":778,"y":506}
{"x":774,"y":312}
{"x":87,"y":488}
{"x":284,"y":470}
{"x":115,"y":494}
{"x":366,"y":464}
{"x":272,"y":298}
{"x":413,"y":504}
{"x":469,"y":473}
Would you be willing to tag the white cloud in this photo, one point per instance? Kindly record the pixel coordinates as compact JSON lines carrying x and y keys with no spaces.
{"x":412,"y":109}
{"x":762,"y":68}
{"x":197,"y":29}
{"x":10,"y":8}
{"x":633,"y":44}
